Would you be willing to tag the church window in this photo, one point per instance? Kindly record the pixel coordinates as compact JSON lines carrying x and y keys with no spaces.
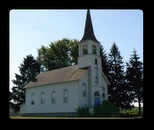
{"x":42,"y":97}
{"x":94,"y":49}
{"x":103,"y":94}
{"x":53,"y":99}
{"x":95,"y":61}
{"x":32,"y":99}
{"x":65,"y":96}
{"x":84,"y":90}
{"x":85,"y":49}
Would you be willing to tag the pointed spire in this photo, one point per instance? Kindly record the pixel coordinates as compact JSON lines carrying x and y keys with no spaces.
{"x":88,"y":32}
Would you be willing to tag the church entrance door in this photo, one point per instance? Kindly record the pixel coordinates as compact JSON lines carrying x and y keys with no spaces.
{"x":96,"y":99}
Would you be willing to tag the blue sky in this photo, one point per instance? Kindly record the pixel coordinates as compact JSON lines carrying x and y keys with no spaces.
{"x":29,"y":29}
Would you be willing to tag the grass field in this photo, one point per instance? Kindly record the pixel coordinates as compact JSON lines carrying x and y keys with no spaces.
{"x":128,"y":114}
{"x":22,"y":117}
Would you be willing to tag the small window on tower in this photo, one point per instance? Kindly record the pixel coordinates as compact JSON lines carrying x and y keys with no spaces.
{"x":94,"y":49}
{"x":85,"y":49}
{"x":95,"y":61}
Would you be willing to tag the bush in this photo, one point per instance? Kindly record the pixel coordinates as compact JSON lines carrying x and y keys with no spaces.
{"x":82,"y":111}
{"x":128,"y":113}
{"x":107,"y":109}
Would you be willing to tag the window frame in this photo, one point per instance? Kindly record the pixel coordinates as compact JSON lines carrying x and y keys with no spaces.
{"x":96,"y":62}
{"x":85,"y":49}
{"x":65,"y":96}
{"x":42,"y":98}
{"x":32,"y":99}
{"x":94,"y":49}
{"x":53,"y":97}
{"x":103,"y":93}
{"x":84,"y":90}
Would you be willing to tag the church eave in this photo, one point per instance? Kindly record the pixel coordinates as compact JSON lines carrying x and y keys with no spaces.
{"x":105,"y":78}
{"x":41,"y":85}
{"x":86,"y":40}
{"x":62,"y":75}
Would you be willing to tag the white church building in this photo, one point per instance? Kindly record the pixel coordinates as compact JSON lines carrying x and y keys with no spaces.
{"x":61,"y":91}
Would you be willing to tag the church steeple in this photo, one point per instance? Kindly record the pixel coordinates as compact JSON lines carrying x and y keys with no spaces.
{"x":89,"y":47}
{"x":88,"y":32}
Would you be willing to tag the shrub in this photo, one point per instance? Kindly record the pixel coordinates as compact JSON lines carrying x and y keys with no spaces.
{"x":128,"y":113}
{"x":107,"y":109}
{"x":82,"y":111}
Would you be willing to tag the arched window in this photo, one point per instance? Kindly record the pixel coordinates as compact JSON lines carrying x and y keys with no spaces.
{"x":32,"y":99}
{"x":42,"y":98}
{"x":84,"y":90}
{"x":65,"y":96}
{"x":53,"y":98}
{"x":96,"y":94}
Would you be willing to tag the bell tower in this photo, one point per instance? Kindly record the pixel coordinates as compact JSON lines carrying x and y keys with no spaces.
{"x":89,"y":56}
{"x":89,"y":47}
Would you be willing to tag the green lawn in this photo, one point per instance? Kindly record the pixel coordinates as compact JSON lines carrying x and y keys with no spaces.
{"x":22,"y":117}
{"x":132,"y":112}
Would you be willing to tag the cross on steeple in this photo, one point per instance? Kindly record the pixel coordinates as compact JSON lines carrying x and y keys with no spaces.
{"x":96,"y":77}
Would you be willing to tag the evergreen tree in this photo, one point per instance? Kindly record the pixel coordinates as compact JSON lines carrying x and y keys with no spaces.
{"x":10,"y":99}
{"x":104,"y":57}
{"x":134,"y":78}
{"x":28,"y":70}
{"x":118,"y":89}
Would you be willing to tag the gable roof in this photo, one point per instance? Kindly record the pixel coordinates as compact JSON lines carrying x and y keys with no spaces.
{"x":66,"y":74}
{"x":105,"y":78}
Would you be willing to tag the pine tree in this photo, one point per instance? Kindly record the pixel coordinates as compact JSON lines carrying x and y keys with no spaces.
{"x":118,"y":89}
{"x":28,"y":70}
{"x":134,"y":77}
{"x":104,"y":57}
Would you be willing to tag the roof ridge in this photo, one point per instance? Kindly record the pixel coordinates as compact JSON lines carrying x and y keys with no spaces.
{"x":86,"y":68}
{"x":71,"y":74}
{"x":66,"y":74}
{"x":57,"y":69}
